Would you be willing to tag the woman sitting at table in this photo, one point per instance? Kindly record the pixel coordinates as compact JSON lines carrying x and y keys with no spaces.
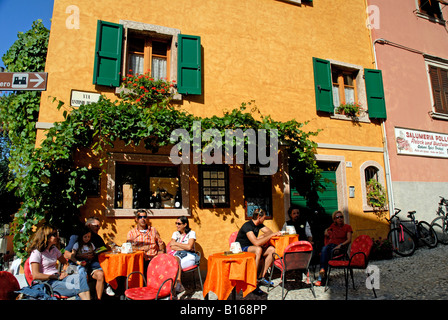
{"x":182,"y":247}
{"x":44,"y":254}
{"x":337,"y":238}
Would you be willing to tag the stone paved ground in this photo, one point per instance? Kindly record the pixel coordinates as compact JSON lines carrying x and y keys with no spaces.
{"x":422,"y":276}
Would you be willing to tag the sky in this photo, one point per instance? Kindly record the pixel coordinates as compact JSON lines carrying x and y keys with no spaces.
{"x":18,"y":16}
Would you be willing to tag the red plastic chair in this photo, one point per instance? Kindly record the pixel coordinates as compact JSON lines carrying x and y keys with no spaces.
{"x":8,"y":284}
{"x":160,"y":279}
{"x":297,"y":256}
{"x":232,"y":237}
{"x":30,"y":280}
{"x":192,"y":268}
{"x":357,"y":259}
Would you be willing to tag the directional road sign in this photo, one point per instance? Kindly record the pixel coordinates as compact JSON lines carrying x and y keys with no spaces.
{"x":23,"y":81}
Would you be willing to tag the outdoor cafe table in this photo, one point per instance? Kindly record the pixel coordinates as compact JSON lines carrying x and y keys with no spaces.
{"x":281,"y":242}
{"x":227,"y":272}
{"x":121,"y":264}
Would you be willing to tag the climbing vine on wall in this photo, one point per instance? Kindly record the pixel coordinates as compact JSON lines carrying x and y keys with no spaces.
{"x":55,"y":187}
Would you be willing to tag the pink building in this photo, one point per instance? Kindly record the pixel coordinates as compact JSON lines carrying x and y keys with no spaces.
{"x":410,"y":39}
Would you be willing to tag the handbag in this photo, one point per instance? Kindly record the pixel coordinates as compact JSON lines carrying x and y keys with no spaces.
{"x":183,"y":253}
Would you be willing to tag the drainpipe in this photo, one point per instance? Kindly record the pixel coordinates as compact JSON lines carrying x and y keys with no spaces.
{"x":386,"y":153}
{"x":390,"y":194}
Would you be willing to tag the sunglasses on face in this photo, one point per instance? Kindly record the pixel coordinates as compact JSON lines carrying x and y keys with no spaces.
{"x":338,"y":217}
{"x":178,"y":223}
{"x":141,"y":217}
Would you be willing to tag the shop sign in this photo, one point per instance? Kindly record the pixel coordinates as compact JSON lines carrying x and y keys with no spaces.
{"x":421,"y":143}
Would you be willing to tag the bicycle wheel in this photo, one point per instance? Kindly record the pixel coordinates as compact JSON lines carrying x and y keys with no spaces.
{"x":440,"y":229}
{"x":402,"y":242}
{"x":427,"y":234}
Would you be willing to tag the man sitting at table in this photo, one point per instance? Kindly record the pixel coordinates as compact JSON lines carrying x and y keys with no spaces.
{"x":300,"y":224}
{"x":145,"y":237}
{"x":250,"y":241}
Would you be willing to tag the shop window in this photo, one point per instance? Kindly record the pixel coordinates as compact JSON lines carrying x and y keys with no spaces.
{"x":148,"y":182}
{"x":214,"y":186}
{"x":257,"y":191}
{"x":147,"y":186}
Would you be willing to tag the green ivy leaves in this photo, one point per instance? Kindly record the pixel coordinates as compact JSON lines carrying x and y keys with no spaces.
{"x":53,"y":187}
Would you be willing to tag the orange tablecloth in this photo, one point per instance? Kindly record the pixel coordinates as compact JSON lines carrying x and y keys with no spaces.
{"x":226,"y":272}
{"x":122,"y":264}
{"x":281,"y":242}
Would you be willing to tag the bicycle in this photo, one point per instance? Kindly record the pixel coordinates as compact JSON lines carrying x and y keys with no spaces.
{"x":440,"y":224}
{"x":404,"y":242}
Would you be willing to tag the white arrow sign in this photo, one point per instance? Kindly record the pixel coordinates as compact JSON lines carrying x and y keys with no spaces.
{"x":12,"y":81}
{"x":39,"y":80}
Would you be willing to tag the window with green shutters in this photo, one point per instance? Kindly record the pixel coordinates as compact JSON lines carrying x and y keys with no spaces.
{"x":189,"y":65}
{"x":374,"y":93}
{"x":323,"y":85}
{"x":110,"y":64}
{"x":108,"y":51}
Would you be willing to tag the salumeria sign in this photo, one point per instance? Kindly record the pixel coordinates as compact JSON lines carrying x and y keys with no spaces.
{"x":421,"y":143}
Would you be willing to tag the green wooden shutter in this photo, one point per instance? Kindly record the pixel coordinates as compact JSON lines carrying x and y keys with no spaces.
{"x":189,"y":65}
{"x":328,"y":197}
{"x":375,"y":93}
{"x":322,"y":85}
{"x":109,"y":40}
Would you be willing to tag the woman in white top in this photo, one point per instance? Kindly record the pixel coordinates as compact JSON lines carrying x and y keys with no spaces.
{"x":182,"y":246}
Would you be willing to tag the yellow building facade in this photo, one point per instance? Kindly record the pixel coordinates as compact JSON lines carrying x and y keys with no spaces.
{"x":273,"y":52}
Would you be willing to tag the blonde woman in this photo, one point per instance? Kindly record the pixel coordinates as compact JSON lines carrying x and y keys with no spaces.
{"x":337,"y":237}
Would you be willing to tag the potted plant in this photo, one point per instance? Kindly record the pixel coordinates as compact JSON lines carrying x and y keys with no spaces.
{"x":351,"y":109}
{"x":381,"y":249}
{"x":145,"y":90}
{"x":377,"y":197}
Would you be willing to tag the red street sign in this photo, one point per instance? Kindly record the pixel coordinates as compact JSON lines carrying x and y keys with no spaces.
{"x":23,"y":81}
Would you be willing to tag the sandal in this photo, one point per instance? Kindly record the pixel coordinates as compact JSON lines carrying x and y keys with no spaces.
{"x":322,"y":273}
{"x":317,"y":283}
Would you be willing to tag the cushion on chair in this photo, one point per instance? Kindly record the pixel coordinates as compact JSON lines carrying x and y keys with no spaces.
{"x":232,"y":237}
{"x":161,"y":268}
{"x":146,"y":293}
{"x":190,"y":268}
{"x":338,"y":263}
{"x":363,"y":244}
{"x":8,"y":284}
{"x":278,"y":264}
